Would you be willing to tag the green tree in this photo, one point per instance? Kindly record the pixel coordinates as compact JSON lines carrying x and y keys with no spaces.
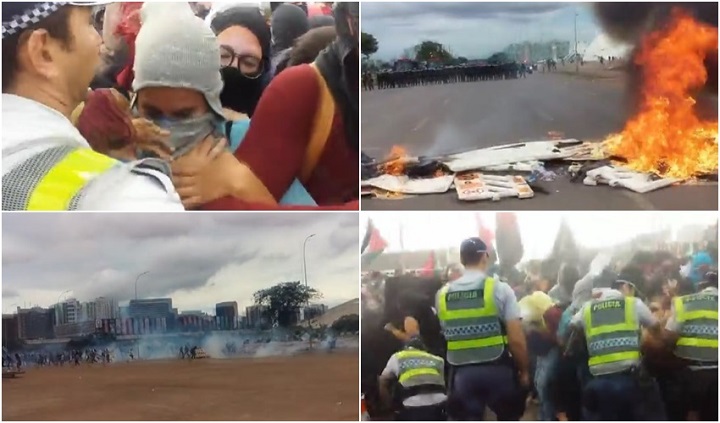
{"x":284,"y":300}
{"x":368,"y":44}
{"x":430,"y":51}
{"x":347,"y":323}
{"x":498,"y":58}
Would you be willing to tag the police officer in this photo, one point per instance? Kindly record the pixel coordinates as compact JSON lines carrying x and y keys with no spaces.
{"x":50,"y":54}
{"x":486,"y":347}
{"x":421,"y":377}
{"x":693,"y":329}
{"x":619,"y":387}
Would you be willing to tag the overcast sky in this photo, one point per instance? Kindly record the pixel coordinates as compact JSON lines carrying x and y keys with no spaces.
{"x":538,"y":229}
{"x":197,"y":259}
{"x":474,"y":30}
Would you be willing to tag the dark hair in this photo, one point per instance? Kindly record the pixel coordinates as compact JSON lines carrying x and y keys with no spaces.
{"x":57,"y":25}
{"x":472,"y":258}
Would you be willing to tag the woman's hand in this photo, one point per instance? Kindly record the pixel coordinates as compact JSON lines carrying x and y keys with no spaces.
{"x":203,"y":174}
{"x":210,"y":172}
{"x":152,"y":138}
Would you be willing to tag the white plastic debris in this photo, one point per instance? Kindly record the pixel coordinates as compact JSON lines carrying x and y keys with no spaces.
{"x":514,"y":153}
{"x":406,"y":185}
{"x":513,"y":167}
{"x":477,"y":187}
{"x":626,"y":178}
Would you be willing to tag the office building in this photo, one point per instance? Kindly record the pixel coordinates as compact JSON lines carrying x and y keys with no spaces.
{"x":35,"y":323}
{"x":106,"y":308}
{"x":10,"y":335}
{"x":82,"y":328}
{"x":69,"y":311}
{"x":150,"y":308}
{"x":226,"y":315}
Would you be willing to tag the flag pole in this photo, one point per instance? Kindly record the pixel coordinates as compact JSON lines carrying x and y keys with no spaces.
{"x":402,"y":247}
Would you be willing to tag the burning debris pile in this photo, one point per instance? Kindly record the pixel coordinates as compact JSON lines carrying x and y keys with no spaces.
{"x":665,"y":143}
{"x":477,"y":174}
{"x":666,"y":137}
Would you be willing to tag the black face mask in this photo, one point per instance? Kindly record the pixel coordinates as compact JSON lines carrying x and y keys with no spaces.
{"x":240,"y":93}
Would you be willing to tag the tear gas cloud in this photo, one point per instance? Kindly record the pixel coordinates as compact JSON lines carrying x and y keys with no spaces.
{"x":217,"y":345}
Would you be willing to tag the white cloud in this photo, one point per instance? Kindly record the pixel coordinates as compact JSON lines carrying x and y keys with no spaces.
{"x":474,"y":30}
{"x":197,"y":259}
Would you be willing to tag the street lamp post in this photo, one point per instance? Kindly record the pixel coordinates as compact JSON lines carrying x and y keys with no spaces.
{"x":304,"y":259}
{"x":305,"y":271}
{"x":61,"y":294}
{"x":577,"y":61}
{"x":136,"y":281}
{"x":59,"y":313}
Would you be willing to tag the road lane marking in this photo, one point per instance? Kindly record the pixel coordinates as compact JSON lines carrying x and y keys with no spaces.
{"x":420,"y":124}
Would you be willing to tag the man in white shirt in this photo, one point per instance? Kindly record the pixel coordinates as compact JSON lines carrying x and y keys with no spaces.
{"x":423,"y":395}
{"x":620,"y":388}
{"x":693,"y":332}
{"x":494,"y":376}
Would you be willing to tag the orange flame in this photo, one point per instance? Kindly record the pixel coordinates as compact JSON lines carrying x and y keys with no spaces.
{"x":666,"y":137}
{"x":396,"y":161}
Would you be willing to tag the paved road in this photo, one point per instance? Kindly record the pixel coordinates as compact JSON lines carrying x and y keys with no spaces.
{"x":457,"y":117}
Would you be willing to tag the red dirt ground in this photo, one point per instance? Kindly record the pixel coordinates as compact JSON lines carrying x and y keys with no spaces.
{"x":307,"y":387}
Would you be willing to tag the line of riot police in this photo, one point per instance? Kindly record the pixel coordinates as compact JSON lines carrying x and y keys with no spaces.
{"x":446,"y":75}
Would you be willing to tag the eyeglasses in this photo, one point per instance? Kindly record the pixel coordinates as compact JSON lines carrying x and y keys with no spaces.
{"x":250,"y":66}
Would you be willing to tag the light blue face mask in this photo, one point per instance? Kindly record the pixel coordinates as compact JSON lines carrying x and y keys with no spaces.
{"x":185,"y":134}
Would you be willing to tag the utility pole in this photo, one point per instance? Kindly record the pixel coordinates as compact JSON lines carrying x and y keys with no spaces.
{"x":577,"y":59}
{"x":304,"y":259}
{"x":307,"y":305}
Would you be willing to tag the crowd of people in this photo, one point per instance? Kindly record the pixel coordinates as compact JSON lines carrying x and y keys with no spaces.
{"x":619,"y":338}
{"x":444,"y":75}
{"x":180,"y":106}
{"x":21,"y":360}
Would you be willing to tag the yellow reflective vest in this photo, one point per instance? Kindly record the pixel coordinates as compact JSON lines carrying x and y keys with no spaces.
{"x":612,"y":332}
{"x":471,"y":325}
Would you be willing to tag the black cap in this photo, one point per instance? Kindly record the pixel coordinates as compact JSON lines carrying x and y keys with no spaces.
{"x":472,"y":249}
{"x":18,"y":16}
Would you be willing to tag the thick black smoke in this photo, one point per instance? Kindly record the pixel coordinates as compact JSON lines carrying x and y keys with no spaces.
{"x":629,"y":22}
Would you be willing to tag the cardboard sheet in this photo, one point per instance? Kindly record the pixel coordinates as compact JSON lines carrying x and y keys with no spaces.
{"x":477,"y":187}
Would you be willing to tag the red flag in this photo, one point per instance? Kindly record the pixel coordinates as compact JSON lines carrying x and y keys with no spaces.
{"x":373,"y":242}
{"x":485,"y":233}
{"x":377,"y":242}
{"x":428,"y":269}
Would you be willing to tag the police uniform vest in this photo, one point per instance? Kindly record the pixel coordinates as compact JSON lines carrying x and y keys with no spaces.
{"x":58,"y":178}
{"x":612,"y":332}
{"x":420,"y":372}
{"x":471,"y":325}
{"x":697,"y":315}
